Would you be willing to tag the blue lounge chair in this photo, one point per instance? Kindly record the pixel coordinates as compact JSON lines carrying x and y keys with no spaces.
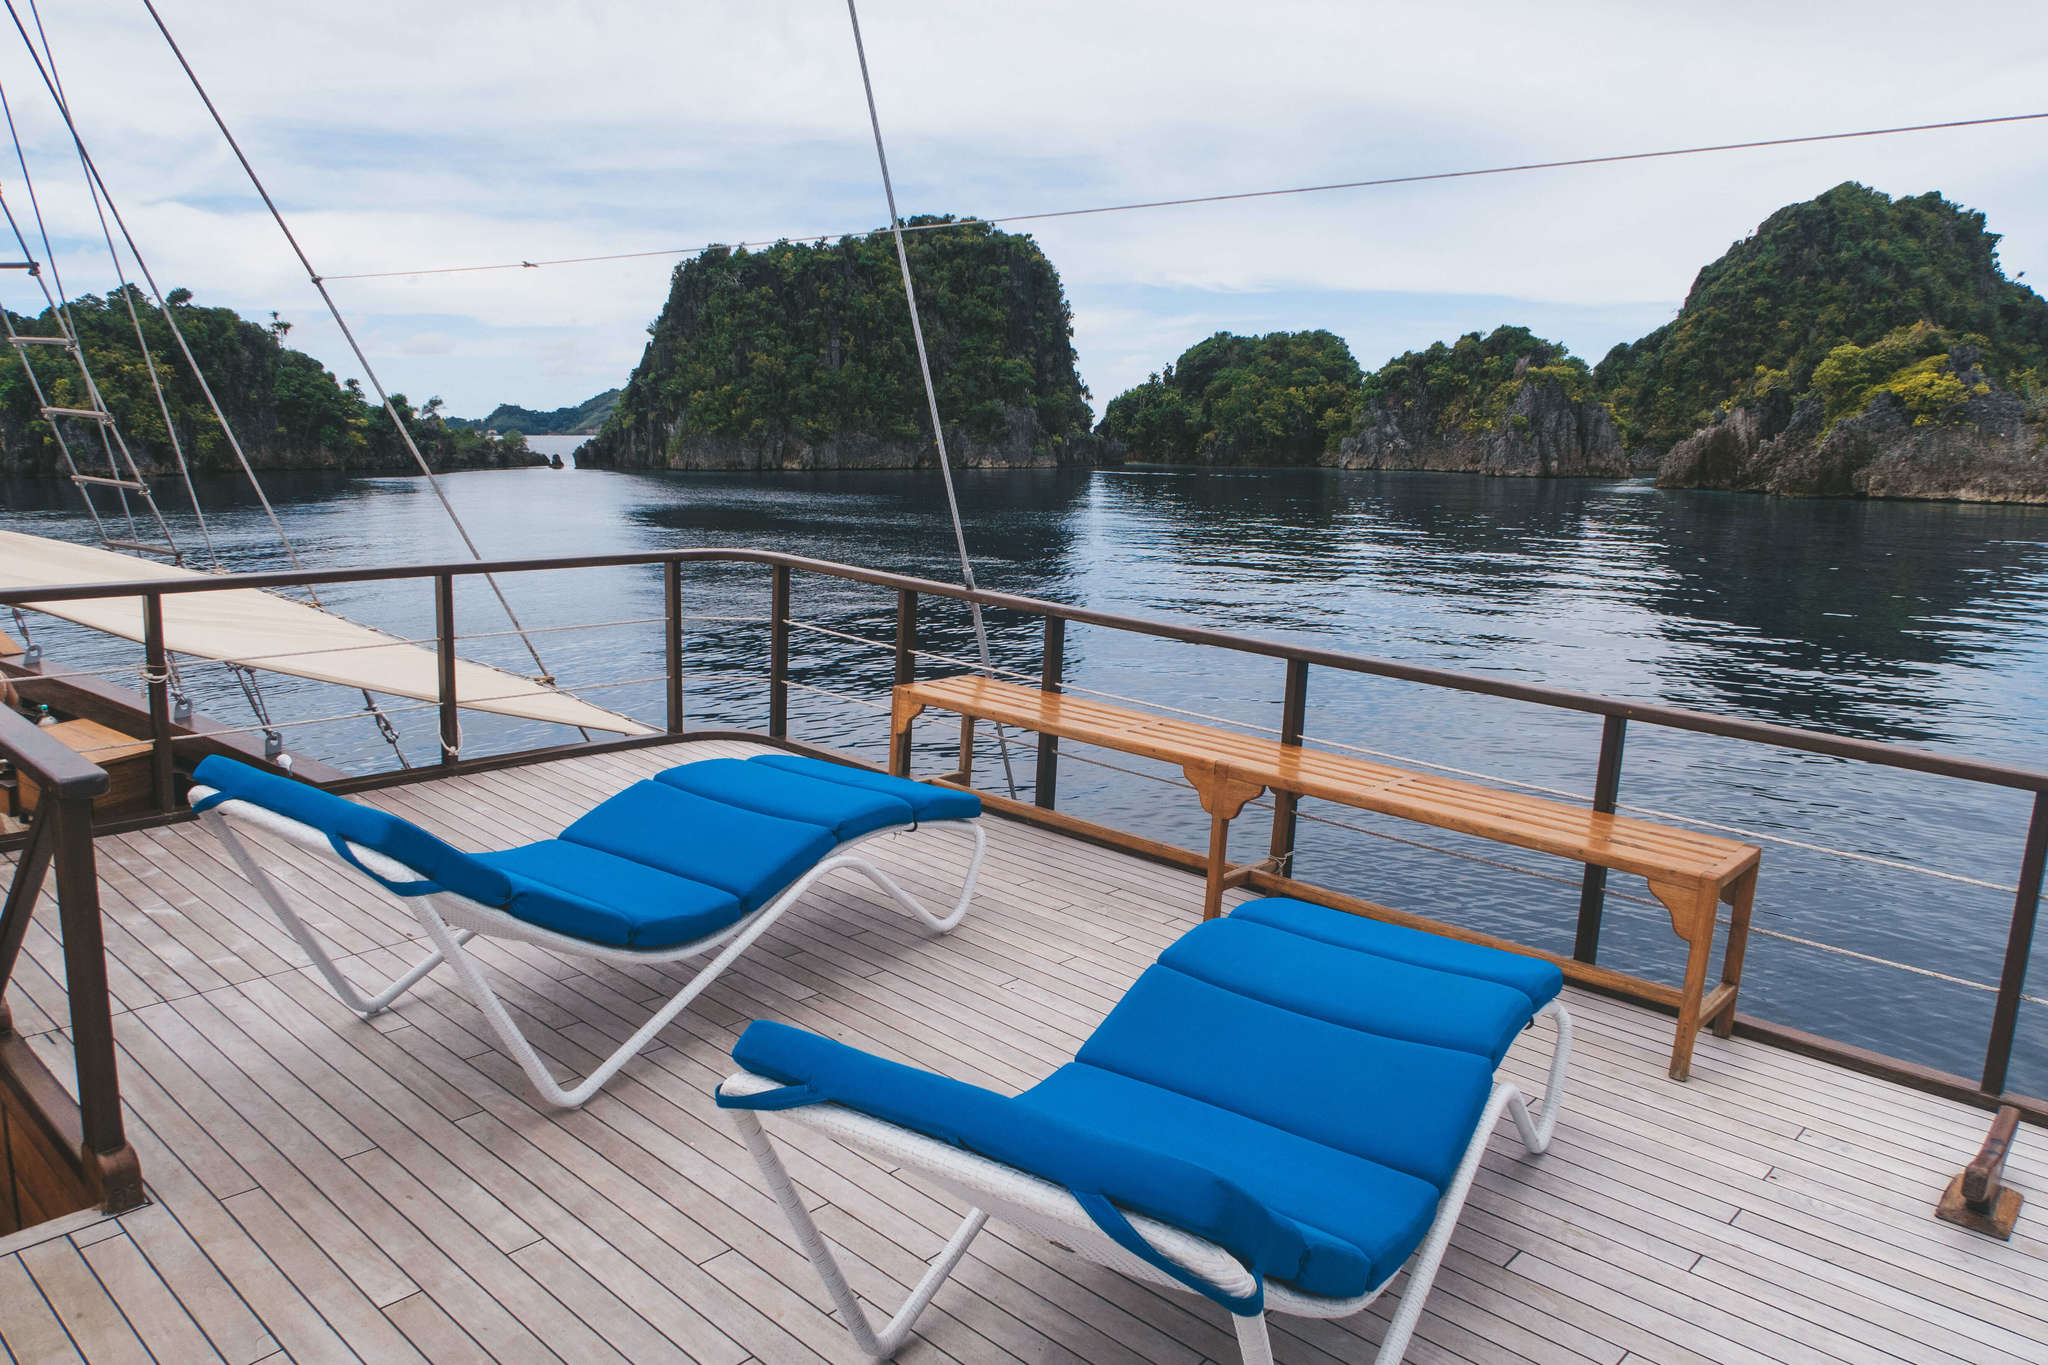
{"x":1284,"y":1110}
{"x":703,"y":856}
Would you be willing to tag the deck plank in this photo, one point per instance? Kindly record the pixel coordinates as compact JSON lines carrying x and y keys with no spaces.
{"x":331,"y":1189}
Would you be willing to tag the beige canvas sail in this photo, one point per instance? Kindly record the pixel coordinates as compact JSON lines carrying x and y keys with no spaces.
{"x":262,"y":630}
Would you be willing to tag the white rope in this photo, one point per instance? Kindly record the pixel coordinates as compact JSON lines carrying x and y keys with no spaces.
{"x":369,"y":372}
{"x":109,"y":433}
{"x":924,"y":368}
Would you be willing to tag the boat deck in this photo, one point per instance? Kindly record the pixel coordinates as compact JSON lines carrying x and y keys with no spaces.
{"x":327,"y":1189}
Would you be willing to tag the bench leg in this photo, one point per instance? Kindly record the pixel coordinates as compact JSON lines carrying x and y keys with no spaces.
{"x":1741,"y":898}
{"x":1690,"y":994}
{"x":1219,"y":862}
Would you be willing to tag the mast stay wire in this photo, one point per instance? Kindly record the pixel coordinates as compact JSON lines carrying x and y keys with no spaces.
{"x":127,"y":298}
{"x":369,"y":372}
{"x":60,"y":312}
{"x":96,"y":187}
{"x":931,"y":393}
{"x":1379,"y":183}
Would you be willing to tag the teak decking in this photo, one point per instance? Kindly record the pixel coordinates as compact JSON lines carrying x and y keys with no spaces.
{"x":337,"y":1190}
{"x":1691,"y":873}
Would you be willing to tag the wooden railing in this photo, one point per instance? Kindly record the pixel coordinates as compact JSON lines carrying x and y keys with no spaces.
{"x":1989,"y":1088}
{"x":94,"y":1163}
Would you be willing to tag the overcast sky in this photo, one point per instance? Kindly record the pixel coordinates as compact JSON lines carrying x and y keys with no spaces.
{"x":406,"y":135}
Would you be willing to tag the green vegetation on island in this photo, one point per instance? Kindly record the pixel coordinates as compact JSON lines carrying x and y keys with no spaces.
{"x":1281,"y":398}
{"x":1508,"y":402}
{"x":287,"y":410}
{"x":581,"y":419}
{"x":800,"y":356}
{"x":1848,"y":268}
{"x":1854,"y":345}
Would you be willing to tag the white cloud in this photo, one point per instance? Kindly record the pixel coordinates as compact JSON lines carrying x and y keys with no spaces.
{"x":408,"y":135}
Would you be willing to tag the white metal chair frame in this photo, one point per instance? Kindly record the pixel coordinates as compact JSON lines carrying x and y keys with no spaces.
{"x":993,"y":1189}
{"x":451,"y":920}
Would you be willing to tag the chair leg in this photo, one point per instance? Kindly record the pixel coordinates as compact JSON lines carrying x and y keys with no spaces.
{"x":303,"y":935}
{"x":1536,"y":1132}
{"x":891,"y":1338}
{"x":1254,"y":1343}
{"x":485,"y":999}
{"x":909,"y":904}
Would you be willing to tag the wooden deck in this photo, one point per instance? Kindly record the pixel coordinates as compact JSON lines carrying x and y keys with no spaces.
{"x":327,"y":1189}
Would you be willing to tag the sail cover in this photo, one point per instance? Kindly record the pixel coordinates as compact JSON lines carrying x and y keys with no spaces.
{"x":263,"y":630}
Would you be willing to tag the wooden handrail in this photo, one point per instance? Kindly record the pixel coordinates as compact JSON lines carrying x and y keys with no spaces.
{"x":1670,"y":717}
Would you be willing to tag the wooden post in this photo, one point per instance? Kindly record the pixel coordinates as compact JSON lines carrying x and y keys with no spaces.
{"x":1593,"y":885}
{"x":444,"y":647}
{"x":156,"y":669}
{"x":1046,"y":784}
{"x":1978,"y":1198}
{"x":906,"y":636}
{"x":105,"y":1152}
{"x":2019,"y":946}
{"x":1293,"y":718}
{"x":672,"y":640}
{"x":778,"y":654}
{"x":22,"y":891}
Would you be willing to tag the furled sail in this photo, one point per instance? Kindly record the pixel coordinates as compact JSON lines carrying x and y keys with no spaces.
{"x":262,"y":630}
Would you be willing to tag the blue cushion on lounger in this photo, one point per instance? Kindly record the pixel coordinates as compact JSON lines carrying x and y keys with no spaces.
{"x":1136,"y":1177}
{"x":929,"y":801}
{"x":1358,"y":1220}
{"x":1353,"y":988}
{"x":590,"y":894}
{"x":444,"y":865}
{"x":752,"y":856}
{"x":1399,"y":1104}
{"x":1532,"y":976}
{"x":847,"y":811}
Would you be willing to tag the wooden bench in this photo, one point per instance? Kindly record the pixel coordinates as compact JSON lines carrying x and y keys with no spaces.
{"x":1690,"y":874}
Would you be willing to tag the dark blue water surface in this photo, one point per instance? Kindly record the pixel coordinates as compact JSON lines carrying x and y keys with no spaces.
{"x":1924,"y":624}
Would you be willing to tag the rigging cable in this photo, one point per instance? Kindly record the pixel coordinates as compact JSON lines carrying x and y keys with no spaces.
{"x":931,"y":393}
{"x":1379,"y":183}
{"x":60,"y":313}
{"x":404,"y":433}
{"x":96,"y":186}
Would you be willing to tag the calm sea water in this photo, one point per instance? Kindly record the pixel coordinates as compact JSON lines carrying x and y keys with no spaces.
{"x":1923,"y":624}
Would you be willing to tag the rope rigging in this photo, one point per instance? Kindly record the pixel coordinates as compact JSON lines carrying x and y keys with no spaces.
{"x":931,"y":394}
{"x":369,"y":372}
{"x":103,"y":205}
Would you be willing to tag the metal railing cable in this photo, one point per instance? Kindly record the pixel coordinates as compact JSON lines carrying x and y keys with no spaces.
{"x":1376,"y":183}
{"x":1649,"y":903}
{"x":1558,"y":792}
{"x":334,"y":311}
{"x":924,"y":369}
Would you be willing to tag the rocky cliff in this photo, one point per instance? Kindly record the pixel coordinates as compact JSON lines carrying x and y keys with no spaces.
{"x":1983,"y":450}
{"x":801,"y":357}
{"x":1508,"y":403}
{"x":1543,"y":434}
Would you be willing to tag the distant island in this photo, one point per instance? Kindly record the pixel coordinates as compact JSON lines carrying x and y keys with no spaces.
{"x":583,"y":419}
{"x":798,"y":357}
{"x":1853,"y":346}
{"x":287,"y":410}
